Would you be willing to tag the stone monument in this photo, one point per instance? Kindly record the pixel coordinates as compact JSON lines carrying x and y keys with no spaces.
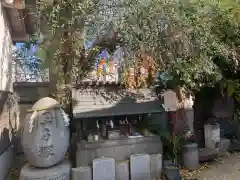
{"x":45,"y":140}
{"x":212,"y":136}
{"x":122,"y":170}
{"x":104,"y":168}
{"x":140,"y":167}
{"x":156,"y":166}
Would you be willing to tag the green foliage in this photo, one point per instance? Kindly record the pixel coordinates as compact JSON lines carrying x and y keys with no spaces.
{"x":60,"y":37}
{"x":183,"y":37}
{"x":233,"y":88}
{"x":172,"y":143}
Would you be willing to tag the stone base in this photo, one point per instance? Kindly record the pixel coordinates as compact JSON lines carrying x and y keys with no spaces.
{"x":119,"y":149}
{"x":207,"y":154}
{"x":58,"y":172}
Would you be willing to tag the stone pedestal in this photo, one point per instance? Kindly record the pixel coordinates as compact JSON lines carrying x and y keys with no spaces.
{"x":59,"y":172}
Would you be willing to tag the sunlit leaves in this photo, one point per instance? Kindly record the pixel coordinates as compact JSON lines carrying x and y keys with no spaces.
{"x":184,"y":35}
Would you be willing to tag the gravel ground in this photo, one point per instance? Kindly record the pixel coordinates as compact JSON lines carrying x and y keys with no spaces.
{"x":224,"y":168}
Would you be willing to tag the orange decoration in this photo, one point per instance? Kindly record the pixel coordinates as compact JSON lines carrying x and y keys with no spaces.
{"x":102,"y":61}
{"x":111,"y":65}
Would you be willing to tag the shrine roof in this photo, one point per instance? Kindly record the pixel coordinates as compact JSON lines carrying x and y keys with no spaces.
{"x":113,"y":101}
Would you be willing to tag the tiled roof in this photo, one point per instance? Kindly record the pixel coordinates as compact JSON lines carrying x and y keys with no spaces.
{"x":97,"y":102}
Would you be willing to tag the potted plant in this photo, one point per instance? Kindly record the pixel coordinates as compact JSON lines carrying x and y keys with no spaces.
{"x":171,"y":170}
{"x":172,"y":145}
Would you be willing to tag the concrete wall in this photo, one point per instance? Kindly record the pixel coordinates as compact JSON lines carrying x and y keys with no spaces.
{"x":30,"y":92}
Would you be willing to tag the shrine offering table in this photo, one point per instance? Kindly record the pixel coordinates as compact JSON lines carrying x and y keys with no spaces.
{"x":120,"y":149}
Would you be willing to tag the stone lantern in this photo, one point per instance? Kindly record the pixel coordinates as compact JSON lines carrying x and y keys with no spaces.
{"x":45,"y":136}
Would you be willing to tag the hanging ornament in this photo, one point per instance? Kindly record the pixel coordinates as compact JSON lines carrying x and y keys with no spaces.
{"x":34,"y":114}
{"x":65,"y":117}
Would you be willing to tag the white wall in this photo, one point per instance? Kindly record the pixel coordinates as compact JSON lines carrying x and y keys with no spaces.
{"x":5,"y":85}
{"x":5,"y":54}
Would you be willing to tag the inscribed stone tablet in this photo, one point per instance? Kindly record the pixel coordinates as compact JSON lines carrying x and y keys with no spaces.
{"x":83,"y":173}
{"x":140,"y":167}
{"x":122,"y":170}
{"x":170,"y":100}
{"x":104,"y":169}
{"x":156,"y":166}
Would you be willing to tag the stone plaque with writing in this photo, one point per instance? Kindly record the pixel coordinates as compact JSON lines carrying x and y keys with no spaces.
{"x":170,"y":101}
{"x":45,"y":135}
{"x":122,"y":170}
{"x":104,"y":168}
{"x":156,"y":166}
{"x":140,"y":167}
